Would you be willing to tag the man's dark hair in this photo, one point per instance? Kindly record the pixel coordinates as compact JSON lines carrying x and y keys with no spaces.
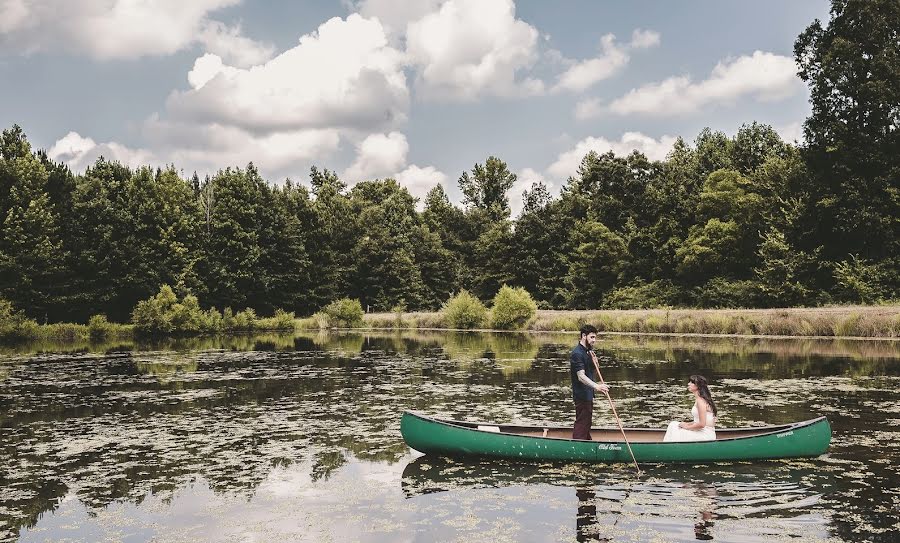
{"x":588,"y":329}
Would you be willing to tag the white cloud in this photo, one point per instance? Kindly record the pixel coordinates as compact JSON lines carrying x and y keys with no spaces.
{"x":790,"y":132}
{"x":763,"y":76}
{"x":586,"y":73}
{"x":472,"y":48}
{"x":343,"y":75}
{"x":379,"y":155}
{"x":124,"y":29}
{"x":383,"y":156}
{"x":642,"y":39}
{"x":588,"y":109}
{"x":209,"y":147}
{"x":567,"y":163}
{"x":227,"y":42}
{"x":286,"y":114}
{"x":78,"y":152}
{"x":420,"y":180}
{"x":204,"y":148}
{"x":13,"y":13}
{"x":394,"y":16}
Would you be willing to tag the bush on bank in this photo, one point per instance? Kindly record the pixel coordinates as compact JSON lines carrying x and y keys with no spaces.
{"x":464,"y":311}
{"x":165,"y":314}
{"x":343,"y":313}
{"x":513,"y":309}
{"x":14,"y":325}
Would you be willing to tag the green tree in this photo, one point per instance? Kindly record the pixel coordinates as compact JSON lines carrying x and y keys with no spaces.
{"x":598,"y":257}
{"x":486,"y":188}
{"x":779,"y":271}
{"x":98,"y":264}
{"x":334,"y":233}
{"x":753,"y":144}
{"x":713,"y":151}
{"x":285,"y":258}
{"x":231,"y":250}
{"x":540,"y":245}
{"x":709,"y":251}
{"x":442,"y":247}
{"x":725,"y":244}
{"x":386,"y":271}
{"x":159,"y":241}
{"x":852,"y":67}
{"x":616,"y":187}
{"x":30,"y":250}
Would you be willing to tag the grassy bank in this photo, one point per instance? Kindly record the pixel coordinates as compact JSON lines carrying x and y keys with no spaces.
{"x":840,"y":321}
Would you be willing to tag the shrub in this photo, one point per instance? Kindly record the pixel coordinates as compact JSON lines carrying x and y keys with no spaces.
{"x":307,"y":323}
{"x":319,"y":320}
{"x":642,"y":296}
{"x":720,"y":292}
{"x":282,"y":320}
{"x":858,"y":281}
{"x":398,"y":311}
{"x":164,"y":314}
{"x":513,"y":308}
{"x":62,"y":331}
{"x":344,"y":313}
{"x":14,"y":325}
{"x":99,"y":328}
{"x":244,"y":321}
{"x":153,"y":315}
{"x":464,"y":311}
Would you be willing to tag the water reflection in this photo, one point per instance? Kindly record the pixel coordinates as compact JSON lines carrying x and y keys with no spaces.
{"x":739,"y":500}
{"x":586,"y":526}
{"x":120,"y":424}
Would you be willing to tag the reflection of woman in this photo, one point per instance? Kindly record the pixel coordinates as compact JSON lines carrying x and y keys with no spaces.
{"x":707,"y":502}
{"x":704,"y":411}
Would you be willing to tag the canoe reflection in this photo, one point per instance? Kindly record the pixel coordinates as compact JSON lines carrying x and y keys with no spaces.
{"x":736,"y":501}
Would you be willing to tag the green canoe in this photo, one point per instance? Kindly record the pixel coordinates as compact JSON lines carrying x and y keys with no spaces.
{"x":454,"y":438}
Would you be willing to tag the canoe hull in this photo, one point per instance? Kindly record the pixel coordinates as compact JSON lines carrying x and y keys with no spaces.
{"x":449,"y":438}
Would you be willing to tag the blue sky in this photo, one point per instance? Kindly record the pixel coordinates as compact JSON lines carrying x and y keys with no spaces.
{"x":419,"y":91}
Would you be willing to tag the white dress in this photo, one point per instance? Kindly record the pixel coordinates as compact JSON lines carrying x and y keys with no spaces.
{"x":707,"y":433}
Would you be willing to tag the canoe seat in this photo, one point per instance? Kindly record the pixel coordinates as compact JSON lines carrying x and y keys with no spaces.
{"x":484,"y":428}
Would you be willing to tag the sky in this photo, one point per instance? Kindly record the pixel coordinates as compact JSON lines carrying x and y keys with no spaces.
{"x":418,"y":90}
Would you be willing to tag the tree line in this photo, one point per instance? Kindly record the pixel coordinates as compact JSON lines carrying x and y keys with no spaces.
{"x":742,"y":221}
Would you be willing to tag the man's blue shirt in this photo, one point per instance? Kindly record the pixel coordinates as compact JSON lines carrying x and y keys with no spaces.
{"x":581,"y":360}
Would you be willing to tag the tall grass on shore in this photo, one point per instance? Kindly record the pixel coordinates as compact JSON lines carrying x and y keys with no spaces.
{"x":848,"y":321}
{"x":163,"y":315}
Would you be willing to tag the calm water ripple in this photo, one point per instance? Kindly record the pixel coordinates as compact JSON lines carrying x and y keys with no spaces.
{"x":297,"y":439}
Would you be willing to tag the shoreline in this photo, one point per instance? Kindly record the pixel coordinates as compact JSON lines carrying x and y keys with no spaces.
{"x":862,"y":322}
{"x":612,"y":333}
{"x":872,"y":323}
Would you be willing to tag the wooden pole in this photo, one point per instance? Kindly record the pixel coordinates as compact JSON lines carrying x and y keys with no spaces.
{"x":619,"y":422}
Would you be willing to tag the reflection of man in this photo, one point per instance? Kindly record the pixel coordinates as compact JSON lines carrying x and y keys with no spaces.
{"x":586,"y":525}
{"x":581,"y":367}
{"x":587,"y":515}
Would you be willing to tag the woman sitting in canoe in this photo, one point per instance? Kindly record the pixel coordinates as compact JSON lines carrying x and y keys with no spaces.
{"x":704,"y":410}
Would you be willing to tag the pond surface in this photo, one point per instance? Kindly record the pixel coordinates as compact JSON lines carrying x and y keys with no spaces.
{"x":297,"y":439}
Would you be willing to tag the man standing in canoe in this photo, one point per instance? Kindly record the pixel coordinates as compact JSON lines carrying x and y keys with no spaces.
{"x":581,"y":367}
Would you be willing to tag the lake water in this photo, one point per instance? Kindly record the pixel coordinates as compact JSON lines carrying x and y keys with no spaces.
{"x":296,"y":438}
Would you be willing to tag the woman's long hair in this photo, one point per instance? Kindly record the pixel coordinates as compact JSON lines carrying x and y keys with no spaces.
{"x":703,"y":390}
